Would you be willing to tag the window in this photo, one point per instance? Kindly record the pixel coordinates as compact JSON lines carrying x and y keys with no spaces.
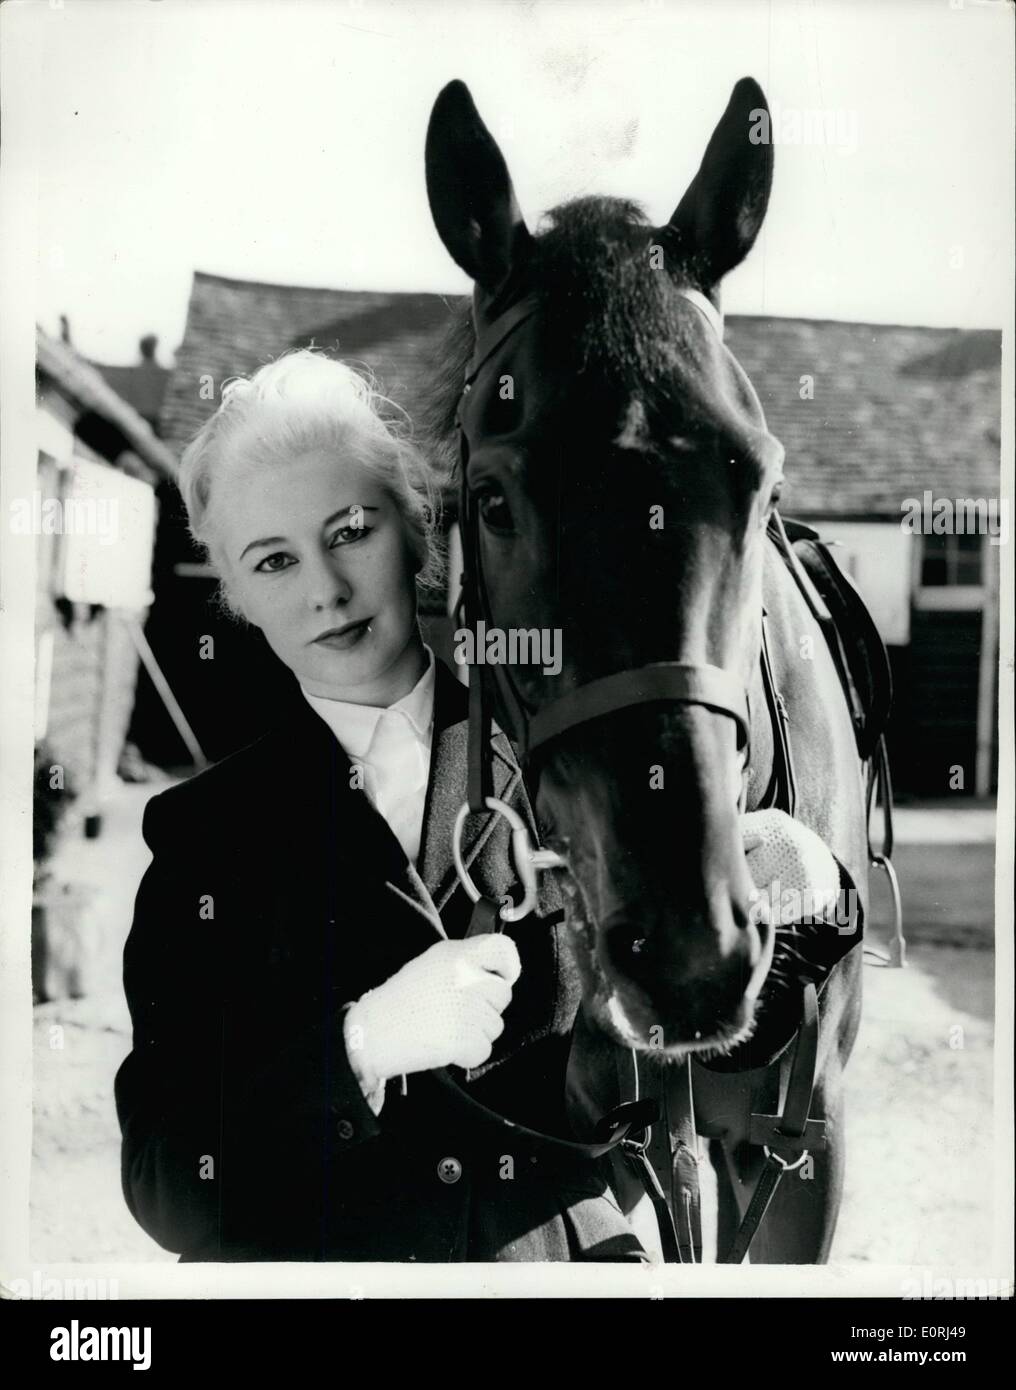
{"x":951,"y":560}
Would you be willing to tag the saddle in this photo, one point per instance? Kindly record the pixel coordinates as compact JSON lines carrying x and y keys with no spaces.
{"x":862,"y":662}
{"x":858,"y":651}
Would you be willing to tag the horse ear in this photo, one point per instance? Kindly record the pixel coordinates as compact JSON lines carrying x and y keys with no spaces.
{"x":471,"y":196}
{"x":719,"y":217}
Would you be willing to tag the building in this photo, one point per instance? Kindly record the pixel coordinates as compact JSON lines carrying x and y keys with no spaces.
{"x":871,"y":416}
{"x":142,"y":385}
{"x":93,"y":512}
{"x":875,"y":419}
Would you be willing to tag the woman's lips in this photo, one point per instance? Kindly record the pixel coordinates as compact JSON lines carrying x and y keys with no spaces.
{"x":340,"y":639}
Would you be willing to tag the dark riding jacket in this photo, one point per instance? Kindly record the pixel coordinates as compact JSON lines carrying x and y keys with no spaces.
{"x":275,"y":897}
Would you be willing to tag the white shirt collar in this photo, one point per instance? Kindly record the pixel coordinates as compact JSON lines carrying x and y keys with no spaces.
{"x":356,"y":725}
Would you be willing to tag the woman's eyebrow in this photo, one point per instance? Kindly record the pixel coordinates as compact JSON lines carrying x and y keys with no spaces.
{"x":281,"y":540}
{"x":358,"y":506}
{"x":266,"y":540}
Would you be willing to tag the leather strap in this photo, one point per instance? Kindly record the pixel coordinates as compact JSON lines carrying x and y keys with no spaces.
{"x":638,"y":1161}
{"x":782,"y":789}
{"x":880,"y":779}
{"x":678,"y":1132}
{"x":765,"y":1191}
{"x":485,"y":917}
{"x":685,"y":1187}
{"x":480,"y":767}
{"x":503,"y":326}
{"x":625,"y":1120}
{"x":793,"y":1126}
{"x":672,"y":681}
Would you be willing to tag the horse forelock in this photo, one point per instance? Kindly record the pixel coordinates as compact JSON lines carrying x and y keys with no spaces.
{"x":613,"y":294}
{"x":618,"y":332}
{"x":613,"y":291}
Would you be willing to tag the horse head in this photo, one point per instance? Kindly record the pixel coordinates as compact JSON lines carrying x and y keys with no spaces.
{"x":621,"y":476}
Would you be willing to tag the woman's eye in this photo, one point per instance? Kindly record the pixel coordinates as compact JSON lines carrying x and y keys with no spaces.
{"x":495,"y":512}
{"x":347,"y":535}
{"x":274,"y":563}
{"x":774,"y":496}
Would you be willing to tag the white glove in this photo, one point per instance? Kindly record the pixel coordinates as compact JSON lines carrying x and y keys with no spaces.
{"x":795,"y":874}
{"x":442,"y":1008}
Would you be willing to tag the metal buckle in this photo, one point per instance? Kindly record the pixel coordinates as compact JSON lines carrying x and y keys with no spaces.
{"x":787,"y":1167}
{"x":528,"y":861}
{"x":637,"y":1147}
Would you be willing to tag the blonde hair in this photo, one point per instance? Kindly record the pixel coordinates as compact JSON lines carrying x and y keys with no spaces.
{"x":301,"y":401}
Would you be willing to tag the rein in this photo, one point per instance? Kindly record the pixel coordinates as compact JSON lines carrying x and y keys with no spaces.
{"x":708,"y":686}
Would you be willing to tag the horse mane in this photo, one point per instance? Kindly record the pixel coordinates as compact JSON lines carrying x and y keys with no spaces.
{"x":611,"y":311}
{"x":435,"y":421}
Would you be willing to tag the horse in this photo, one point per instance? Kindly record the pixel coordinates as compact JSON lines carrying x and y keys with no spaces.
{"x":622,"y":488}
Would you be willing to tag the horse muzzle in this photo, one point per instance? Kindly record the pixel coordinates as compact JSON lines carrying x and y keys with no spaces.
{"x":681,"y":986}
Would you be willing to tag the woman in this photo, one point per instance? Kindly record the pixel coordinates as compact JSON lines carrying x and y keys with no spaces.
{"x":298,"y":964}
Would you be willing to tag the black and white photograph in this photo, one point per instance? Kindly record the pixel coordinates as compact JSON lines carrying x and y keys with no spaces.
{"x":507,"y":639}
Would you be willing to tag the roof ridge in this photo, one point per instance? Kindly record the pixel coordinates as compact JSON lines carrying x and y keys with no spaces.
{"x":860,"y":323}
{"x":210,"y":277}
{"x":288,"y":286}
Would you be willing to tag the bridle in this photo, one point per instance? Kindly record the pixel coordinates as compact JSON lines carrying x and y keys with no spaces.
{"x":492,"y":688}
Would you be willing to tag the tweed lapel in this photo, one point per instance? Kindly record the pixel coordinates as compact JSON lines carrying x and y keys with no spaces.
{"x":338,"y":823}
{"x":324,"y":774}
{"x":447,"y":788}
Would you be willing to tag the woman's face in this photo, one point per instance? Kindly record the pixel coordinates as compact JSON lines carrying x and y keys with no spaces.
{"x":315,"y":554}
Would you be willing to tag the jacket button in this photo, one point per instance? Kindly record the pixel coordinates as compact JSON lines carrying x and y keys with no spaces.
{"x":449,"y":1170}
{"x":344,"y":1129}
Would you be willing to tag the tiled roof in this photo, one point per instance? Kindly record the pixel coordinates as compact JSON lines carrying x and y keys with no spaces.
{"x":235,"y":326}
{"x":895,"y":409}
{"x":143,"y":386}
{"x":886,"y":421}
{"x":83,"y":384}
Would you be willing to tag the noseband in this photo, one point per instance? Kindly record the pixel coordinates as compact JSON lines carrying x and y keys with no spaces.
{"x":490,"y":687}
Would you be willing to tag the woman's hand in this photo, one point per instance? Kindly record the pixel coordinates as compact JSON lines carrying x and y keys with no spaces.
{"x":442,"y":1008}
{"x":796,"y":875}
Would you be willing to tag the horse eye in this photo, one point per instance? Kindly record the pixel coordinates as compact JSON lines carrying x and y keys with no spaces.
{"x":495,"y":512}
